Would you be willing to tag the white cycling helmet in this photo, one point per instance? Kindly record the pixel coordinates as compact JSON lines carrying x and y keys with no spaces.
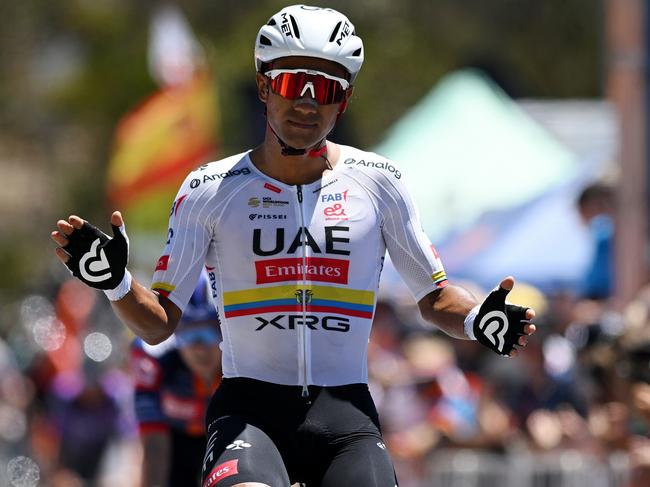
{"x":301,"y":30}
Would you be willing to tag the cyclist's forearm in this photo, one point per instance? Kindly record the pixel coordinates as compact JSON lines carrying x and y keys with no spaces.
{"x":447,"y":309}
{"x":143,"y":312}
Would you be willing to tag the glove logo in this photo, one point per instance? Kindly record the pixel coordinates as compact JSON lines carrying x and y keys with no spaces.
{"x":94,"y":265}
{"x":495,"y":326}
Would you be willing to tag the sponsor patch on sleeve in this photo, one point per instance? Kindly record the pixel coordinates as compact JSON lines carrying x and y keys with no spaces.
{"x":435,"y":252}
{"x":162,"y":263}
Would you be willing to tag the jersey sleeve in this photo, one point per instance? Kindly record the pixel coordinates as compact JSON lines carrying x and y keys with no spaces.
{"x":188,"y":237}
{"x":410,"y":249}
{"x":147,"y":377}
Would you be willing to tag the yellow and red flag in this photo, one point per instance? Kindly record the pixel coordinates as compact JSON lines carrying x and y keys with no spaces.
{"x":157,"y":144}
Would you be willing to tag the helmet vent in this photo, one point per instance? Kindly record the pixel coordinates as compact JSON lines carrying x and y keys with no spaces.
{"x":265,"y":41}
{"x":357,"y":52}
{"x":294,"y":24}
{"x":335,"y":31}
{"x":271,"y":21}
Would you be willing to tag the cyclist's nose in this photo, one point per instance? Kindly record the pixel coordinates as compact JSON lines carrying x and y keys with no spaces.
{"x":305,"y":104}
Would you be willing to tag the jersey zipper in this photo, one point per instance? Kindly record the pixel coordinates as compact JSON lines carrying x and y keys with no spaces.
{"x":303,"y":355}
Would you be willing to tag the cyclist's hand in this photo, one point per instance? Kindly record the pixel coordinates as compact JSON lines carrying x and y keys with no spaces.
{"x":502,"y":326}
{"x":92,"y":256}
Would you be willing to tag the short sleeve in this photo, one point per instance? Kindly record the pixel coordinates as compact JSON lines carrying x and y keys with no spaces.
{"x":188,"y":238}
{"x":410,"y":249}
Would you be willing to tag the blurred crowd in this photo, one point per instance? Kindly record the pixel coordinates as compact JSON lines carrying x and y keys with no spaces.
{"x":582,"y":385}
{"x":66,"y":392}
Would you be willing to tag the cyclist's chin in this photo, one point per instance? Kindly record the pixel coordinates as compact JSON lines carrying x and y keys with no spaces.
{"x":302,"y":137}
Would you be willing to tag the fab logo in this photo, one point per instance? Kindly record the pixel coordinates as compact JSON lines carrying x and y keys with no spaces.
{"x":334,"y":197}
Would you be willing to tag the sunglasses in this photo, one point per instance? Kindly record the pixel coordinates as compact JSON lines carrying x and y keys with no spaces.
{"x":195,"y":336}
{"x":297,"y":83}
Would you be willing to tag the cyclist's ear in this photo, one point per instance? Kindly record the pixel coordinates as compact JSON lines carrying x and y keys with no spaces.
{"x":262,"y":87}
{"x":344,"y":104}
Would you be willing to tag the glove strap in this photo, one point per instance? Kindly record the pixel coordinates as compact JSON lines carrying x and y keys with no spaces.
{"x":469,"y":322}
{"x":122,"y":288}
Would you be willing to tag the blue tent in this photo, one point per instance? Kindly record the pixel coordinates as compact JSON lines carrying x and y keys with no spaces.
{"x":541,"y":242}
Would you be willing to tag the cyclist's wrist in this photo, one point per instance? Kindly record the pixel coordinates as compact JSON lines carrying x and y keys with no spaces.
{"x":469,"y":322}
{"x":122,"y":288}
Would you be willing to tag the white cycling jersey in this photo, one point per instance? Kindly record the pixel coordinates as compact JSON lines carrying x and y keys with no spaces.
{"x":295,"y":269}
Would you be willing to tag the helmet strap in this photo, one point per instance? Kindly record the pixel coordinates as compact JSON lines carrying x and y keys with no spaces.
{"x":316,"y":151}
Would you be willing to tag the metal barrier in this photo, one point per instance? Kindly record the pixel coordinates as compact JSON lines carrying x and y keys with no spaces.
{"x":468,"y":468}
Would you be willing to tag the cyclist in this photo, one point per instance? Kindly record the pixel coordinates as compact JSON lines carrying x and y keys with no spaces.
{"x":294,"y":232}
{"x":174,"y":382}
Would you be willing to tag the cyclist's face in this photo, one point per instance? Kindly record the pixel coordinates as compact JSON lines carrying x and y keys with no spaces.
{"x":302,"y":122}
{"x":202,"y":359}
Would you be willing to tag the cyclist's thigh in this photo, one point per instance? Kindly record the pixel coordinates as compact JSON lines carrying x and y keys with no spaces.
{"x":239,"y":452}
{"x":362,"y":462}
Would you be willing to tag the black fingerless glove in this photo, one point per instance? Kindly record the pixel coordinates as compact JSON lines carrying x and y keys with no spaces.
{"x":96,"y":259}
{"x":498,"y":325}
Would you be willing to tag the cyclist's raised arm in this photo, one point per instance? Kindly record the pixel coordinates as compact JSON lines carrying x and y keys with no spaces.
{"x":100,"y":262}
{"x":447,"y":307}
{"x":148,"y":314}
{"x":496,"y":324}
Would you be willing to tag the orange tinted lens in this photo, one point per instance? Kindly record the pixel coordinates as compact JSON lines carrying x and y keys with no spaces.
{"x":296,"y":85}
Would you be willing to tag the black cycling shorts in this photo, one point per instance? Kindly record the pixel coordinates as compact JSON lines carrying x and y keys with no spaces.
{"x":269,"y":433}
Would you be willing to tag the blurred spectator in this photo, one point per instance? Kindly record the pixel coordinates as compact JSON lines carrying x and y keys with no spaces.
{"x":174,"y":383}
{"x":87,"y":419}
{"x":596,"y":206}
{"x":633,"y":367}
{"x":63,"y":399}
{"x":16,"y":393}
